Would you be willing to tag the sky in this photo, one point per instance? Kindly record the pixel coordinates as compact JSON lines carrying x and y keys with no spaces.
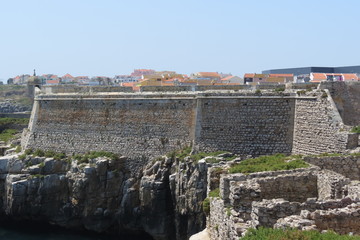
{"x":111,"y":37}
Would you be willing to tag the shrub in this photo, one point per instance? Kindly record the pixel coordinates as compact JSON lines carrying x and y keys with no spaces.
{"x":301,"y":92}
{"x":92,"y":155}
{"x":356,"y":129}
{"x":28,"y":151}
{"x":269,"y":163}
{"x":39,"y":153}
{"x":49,"y":153}
{"x":215,"y":193}
{"x":279,"y":89}
{"x":22,"y":157}
{"x":324,"y":94}
{"x":59,"y":156}
{"x":206,"y":206}
{"x":18,"y":149}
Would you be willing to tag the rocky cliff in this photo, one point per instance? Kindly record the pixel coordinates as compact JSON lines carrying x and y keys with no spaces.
{"x":163,"y":200}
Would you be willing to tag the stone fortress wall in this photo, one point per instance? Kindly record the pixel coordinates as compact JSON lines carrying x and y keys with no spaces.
{"x":148,"y":124}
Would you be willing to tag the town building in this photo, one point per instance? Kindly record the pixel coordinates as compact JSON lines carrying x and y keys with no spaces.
{"x":305,"y":71}
{"x":140,"y":72}
{"x":255,"y":78}
{"x":67,"y":78}
{"x":213,"y":76}
{"x":232,"y":79}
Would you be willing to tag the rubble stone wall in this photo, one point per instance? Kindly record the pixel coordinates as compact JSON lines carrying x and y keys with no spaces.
{"x":133,"y":127}
{"x":252,"y":125}
{"x":346,"y":165}
{"x":147,"y":125}
{"x":346,"y":96}
{"x":318,"y":126}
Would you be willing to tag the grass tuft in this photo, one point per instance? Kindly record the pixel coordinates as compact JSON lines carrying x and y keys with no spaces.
{"x":356,"y":129}
{"x":269,"y":163}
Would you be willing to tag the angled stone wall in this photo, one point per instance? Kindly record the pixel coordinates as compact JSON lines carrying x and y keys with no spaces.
{"x":318,"y":127}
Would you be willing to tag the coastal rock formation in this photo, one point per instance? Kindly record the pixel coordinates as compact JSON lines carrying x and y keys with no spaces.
{"x":9,"y":106}
{"x":164,"y":201}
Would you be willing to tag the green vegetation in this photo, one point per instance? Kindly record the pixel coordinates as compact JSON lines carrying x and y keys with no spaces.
{"x":228,"y":211}
{"x":206,"y":202}
{"x":301,"y":92}
{"x":18,"y":149}
{"x":324,"y":94}
{"x":22,"y":157}
{"x":92,"y":155}
{"x":269,"y":163}
{"x":206,"y":206}
{"x":215,"y":193}
{"x":28,"y":151}
{"x":293,"y":234}
{"x":17,"y":93}
{"x":356,"y":129}
{"x":8,"y":134}
{"x":37,"y":176}
{"x":181,"y":154}
{"x":279,"y":89}
{"x":12,"y":87}
{"x":330,"y":155}
{"x":7,"y":120}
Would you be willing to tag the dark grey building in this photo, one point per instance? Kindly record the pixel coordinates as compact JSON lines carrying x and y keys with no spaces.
{"x":308,"y":70}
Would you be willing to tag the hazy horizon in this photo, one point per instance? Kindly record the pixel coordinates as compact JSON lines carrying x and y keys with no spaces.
{"x":112,"y":37}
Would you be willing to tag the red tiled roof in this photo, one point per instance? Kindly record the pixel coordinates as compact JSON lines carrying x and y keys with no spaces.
{"x":249,"y":75}
{"x":167,"y":84}
{"x":67,"y":76}
{"x":350,"y":76}
{"x":128,"y":84}
{"x":209,"y":74}
{"x":227,"y":78}
{"x":57,"y":81}
{"x":319,"y":76}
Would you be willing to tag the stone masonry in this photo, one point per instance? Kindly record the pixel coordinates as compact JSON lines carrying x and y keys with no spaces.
{"x":149,"y":124}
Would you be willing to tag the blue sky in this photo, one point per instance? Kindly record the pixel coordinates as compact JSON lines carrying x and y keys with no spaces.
{"x":108,"y":37}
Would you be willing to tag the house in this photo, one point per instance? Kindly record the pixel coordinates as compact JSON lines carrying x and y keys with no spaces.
{"x":350,"y":77}
{"x":333,"y":77}
{"x":232,"y":79}
{"x":285,"y":77}
{"x":140,"y":72}
{"x":82,"y":79}
{"x":213,"y":76}
{"x":67,"y":78}
{"x":21,"y":79}
{"x":125,"y":79}
{"x":249,"y":77}
{"x":50,"y":79}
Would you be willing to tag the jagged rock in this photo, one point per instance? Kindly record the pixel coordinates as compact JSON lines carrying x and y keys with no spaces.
{"x":164,"y":201}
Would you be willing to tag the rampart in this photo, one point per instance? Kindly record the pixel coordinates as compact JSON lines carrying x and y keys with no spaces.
{"x":148,"y":124}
